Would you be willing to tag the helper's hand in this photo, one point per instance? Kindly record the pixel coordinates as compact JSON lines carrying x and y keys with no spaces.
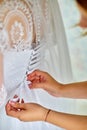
{"x":40,"y":79}
{"x":26,"y":111}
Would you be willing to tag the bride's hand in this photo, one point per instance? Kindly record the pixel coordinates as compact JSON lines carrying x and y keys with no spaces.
{"x":40,"y":79}
{"x":26,"y":111}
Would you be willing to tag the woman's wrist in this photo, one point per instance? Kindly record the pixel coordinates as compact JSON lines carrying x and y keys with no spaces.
{"x":64,"y":90}
{"x":60,"y":90}
{"x":47,"y":114}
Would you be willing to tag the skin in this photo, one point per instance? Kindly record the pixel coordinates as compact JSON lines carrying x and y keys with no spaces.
{"x":35,"y":112}
{"x":29,"y":112}
{"x":40,"y":79}
{"x":43,"y":80}
{"x":83,"y":16}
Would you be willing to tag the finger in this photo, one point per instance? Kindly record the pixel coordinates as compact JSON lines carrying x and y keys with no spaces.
{"x":8,"y":107}
{"x":37,"y":85}
{"x":22,"y":100}
{"x":36,"y":73}
{"x":32,"y":79}
{"x":19,"y":105}
{"x":13,"y":113}
{"x":13,"y":109}
{"x":14,"y":100}
{"x":36,"y":78}
{"x":15,"y":96}
{"x":36,"y":81}
{"x":32,"y":74}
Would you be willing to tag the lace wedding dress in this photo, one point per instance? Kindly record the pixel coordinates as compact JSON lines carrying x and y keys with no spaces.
{"x":31,"y":37}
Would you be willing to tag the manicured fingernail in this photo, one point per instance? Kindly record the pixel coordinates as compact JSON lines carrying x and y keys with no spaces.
{"x":11,"y":102}
{"x":16,"y":99}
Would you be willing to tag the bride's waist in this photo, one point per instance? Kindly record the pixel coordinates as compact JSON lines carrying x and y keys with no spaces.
{"x":15,"y":66}
{"x":13,"y":77}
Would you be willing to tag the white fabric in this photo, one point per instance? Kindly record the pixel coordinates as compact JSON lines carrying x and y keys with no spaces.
{"x":3,"y":95}
{"x":16,"y":38}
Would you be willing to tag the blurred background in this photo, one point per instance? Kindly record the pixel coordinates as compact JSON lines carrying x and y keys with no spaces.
{"x":76,"y":42}
{"x":77,"y":45}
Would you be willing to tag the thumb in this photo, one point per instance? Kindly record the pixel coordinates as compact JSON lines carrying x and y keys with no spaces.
{"x":18,"y":105}
{"x":37,"y":85}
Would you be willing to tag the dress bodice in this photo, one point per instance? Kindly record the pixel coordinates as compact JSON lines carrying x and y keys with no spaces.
{"x":18,"y":38}
{"x":25,"y":24}
{"x":15,"y":66}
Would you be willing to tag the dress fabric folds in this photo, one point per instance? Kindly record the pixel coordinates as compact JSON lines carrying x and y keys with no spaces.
{"x":32,"y":37}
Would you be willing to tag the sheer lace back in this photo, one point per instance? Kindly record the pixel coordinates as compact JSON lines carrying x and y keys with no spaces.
{"x":20,"y":29}
{"x":16,"y":24}
{"x":25,"y":26}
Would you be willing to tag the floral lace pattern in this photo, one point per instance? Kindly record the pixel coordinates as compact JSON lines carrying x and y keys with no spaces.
{"x":20,"y":23}
{"x":3,"y":40}
{"x":16,"y":25}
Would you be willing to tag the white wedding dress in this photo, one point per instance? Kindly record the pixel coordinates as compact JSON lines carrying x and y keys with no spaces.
{"x":27,"y":26}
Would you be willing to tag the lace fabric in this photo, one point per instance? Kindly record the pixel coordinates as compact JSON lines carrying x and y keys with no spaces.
{"x":19,"y":26}
{"x":20,"y":23}
{"x":16,"y":25}
{"x":25,"y":26}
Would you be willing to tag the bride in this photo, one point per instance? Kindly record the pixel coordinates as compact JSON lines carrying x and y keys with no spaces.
{"x":31,"y":37}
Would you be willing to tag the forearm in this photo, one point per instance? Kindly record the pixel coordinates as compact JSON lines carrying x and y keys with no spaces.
{"x":40,"y":113}
{"x":74,"y":90}
{"x":67,"y":121}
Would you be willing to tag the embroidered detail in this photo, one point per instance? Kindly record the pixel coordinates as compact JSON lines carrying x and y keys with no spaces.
{"x":17,"y":32}
{"x":17,"y":20}
{"x":3,"y":40}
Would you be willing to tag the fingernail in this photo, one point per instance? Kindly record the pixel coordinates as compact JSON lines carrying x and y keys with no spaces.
{"x":30,"y":86}
{"x":28,"y":75}
{"x":11,"y":102}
